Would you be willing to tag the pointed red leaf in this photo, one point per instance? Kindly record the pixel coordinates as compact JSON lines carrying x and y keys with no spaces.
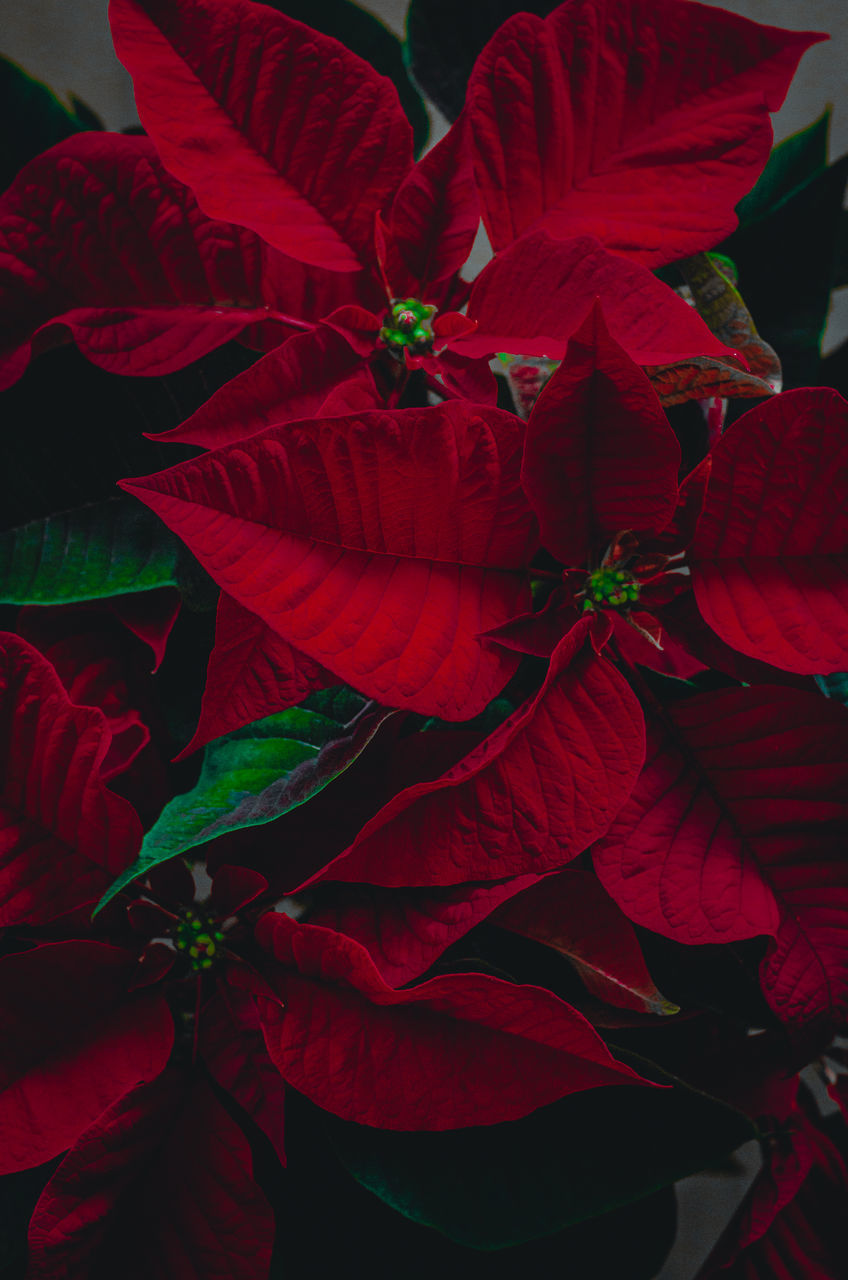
{"x":233,"y":1049}
{"x":770,"y":557}
{"x":686,"y":90}
{"x":379,"y":544}
{"x":290,"y":382}
{"x":571,"y":913}
{"x":74,"y":1041}
{"x":161,"y":1185}
{"x":63,"y":834}
{"x":534,"y":794}
{"x":737,"y":828}
{"x":252,"y":673}
{"x":434,"y":217}
{"x":273,"y":125}
{"x":599,"y":454}
{"x":457,"y":1050}
{"x":532,"y":296}
{"x":151,"y":283}
{"x":404,"y":933}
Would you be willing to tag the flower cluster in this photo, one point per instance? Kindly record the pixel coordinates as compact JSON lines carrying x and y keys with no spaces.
{"x":506,"y":842}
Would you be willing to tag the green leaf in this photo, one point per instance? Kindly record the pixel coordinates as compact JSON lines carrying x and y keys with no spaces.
{"x":368,"y":37}
{"x":791,"y":165}
{"x":258,"y":773}
{"x":788,"y":263}
{"x":504,"y":1184}
{"x":834,"y":686}
{"x":34,"y":118}
{"x":105,"y":549}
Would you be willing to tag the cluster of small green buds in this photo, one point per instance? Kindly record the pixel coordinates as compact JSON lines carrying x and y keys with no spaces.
{"x":609,"y":588}
{"x":409,"y":324}
{"x":197,"y":936}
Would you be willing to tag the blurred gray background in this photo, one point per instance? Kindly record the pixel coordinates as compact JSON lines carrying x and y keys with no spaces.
{"x":68,"y":47}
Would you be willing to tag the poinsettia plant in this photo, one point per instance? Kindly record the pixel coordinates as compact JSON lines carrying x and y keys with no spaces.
{"x":424,"y":726}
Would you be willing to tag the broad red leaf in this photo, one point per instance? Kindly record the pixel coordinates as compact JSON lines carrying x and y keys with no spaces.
{"x":252,"y":673}
{"x":290,"y":382}
{"x":571,"y":913}
{"x":457,"y":1050}
{"x":404,"y":933}
{"x":380,"y":544}
{"x":534,"y":794}
{"x":434,"y":217}
{"x":770,"y":557}
{"x":273,"y":125}
{"x":100,"y":665}
{"x":686,"y":90}
{"x":151,"y":283}
{"x":160,"y":1185}
{"x":530,"y":299}
{"x":63,"y":834}
{"x":736,"y":828}
{"x":74,"y":1041}
{"x":234,"y":1050}
{"x":599,"y":454}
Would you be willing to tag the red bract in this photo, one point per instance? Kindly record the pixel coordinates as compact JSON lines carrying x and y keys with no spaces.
{"x":595,"y":120}
{"x":737,"y":828}
{"x":770,"y":556}
{"x":64,"y":834}
{"x":457,"y":1050}
{"x":305,"y":146}
{"x":280,"y":137}
{"x":531,"y":797}
{"x":165,"y":1168}
{"x":571,"y":913}
{"x":75,"y":1040}
{"x":152,"y":284}
{"x":381,"y":545}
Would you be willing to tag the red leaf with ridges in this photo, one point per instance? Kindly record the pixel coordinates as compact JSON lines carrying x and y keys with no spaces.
{"x":736,"y":828}
{"x":290,"y":382}
{"x":532,"y":296}
{"x":686,"y":90}
{"x":273,"y":125}
{"x":148,"y":270}
{"x":167,"y":1169}
{"x":433,"y":218}
{"x":74,"y":1041}
{"x":234,"y":1050}
{"x":534,"y":794}
{"x":404,"y":933}
{"x":599,"y":454}
{"x":381,"y":544}
{"x":252,"y":673}
{"x":457,"y":1050}
{"x":770,"y":556}
{"x":571,"y":913}
{"x":63,"y":834}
